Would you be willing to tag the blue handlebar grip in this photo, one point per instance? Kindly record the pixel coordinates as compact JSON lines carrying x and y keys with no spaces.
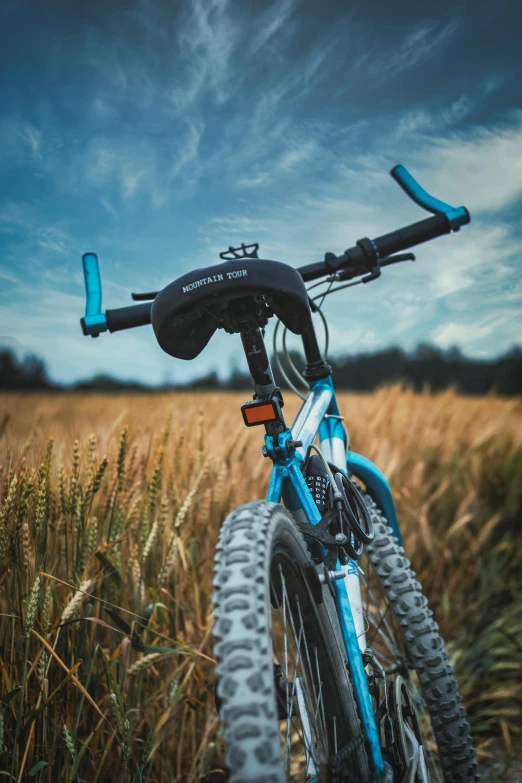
{"x":457,"y":216}
{"x":94,"y":321}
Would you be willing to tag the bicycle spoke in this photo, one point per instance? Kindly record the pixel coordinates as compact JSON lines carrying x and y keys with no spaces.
{"x":291,"y":690}
{"x":306,"y":729}
{"x":310,"y":670}
{"x":285,"y":633}
{"x":290,"y":705}
{"x":320,"y":689}
{"x":370,"y":594}
{"x":289,"y":702}
{"x":317,"y":734}
{"x":388,"y":642}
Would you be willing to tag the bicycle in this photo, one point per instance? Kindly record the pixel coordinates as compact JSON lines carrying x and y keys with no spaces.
{"x":330,"y":666}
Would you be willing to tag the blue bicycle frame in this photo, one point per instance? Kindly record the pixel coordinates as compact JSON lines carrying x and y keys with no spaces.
{"x":319,"y":414}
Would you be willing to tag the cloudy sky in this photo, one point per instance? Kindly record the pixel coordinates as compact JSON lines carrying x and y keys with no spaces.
{"x":158,"y":132}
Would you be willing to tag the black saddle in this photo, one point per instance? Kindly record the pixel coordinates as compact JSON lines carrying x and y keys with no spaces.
{"x":186,"y":313}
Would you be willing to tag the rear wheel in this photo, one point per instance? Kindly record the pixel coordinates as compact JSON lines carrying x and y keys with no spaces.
{"x":286,"y":700}
{"x":423,"y":693}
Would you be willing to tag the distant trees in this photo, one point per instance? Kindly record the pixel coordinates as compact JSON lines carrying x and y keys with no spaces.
{"x":428,"y":366}
{"x":425,"y":367}
{"x":27,"y":373}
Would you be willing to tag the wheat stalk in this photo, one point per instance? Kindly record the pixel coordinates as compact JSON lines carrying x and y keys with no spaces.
{"x":26,"y":544}
{"x":150,"y":541}
{"x":122,"y":453}
{"x":76,"y":601}
{"x":68,"y":740}
{"x":32,"y":605}
{"x":185,"y":508}
{"x":170,"y":562}
{"x":75,"y":476}
{"x":144,"y":663}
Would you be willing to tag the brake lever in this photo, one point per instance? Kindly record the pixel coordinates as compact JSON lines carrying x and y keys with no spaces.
{"x":348,"y":274}
{"x":374,"y":274}
{"x":396,"y":258}
{"x":376,"y":271}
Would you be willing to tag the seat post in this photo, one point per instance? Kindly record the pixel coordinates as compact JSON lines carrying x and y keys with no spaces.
{"x":266,"y":406}
{"x":258,"y":362}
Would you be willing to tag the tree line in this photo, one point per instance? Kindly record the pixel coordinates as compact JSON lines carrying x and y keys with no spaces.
{"x":425,"y":367}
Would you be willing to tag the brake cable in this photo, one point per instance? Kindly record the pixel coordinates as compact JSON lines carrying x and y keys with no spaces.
{"x":330,"y":280}
{"x":324,"y":294}
{"x":286,"y":352}
{"x":333,"y":291}
{"x":289,"y":361}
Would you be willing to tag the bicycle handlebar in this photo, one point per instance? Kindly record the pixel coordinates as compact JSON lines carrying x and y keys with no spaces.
{"x":366,"y":256}
{"x":128,"y":317}
{"x":94,"y":321}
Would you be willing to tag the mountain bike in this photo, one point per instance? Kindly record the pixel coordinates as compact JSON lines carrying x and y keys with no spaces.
{"x":330,"y":665}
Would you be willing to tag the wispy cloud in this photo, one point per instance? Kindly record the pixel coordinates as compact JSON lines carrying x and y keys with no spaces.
{"x":7,"y":274}
{"x":270,"y":24}
{"x":471,"y":335}
{"x":416,"y":46}
{"x":483,"y":162}
{"x":54,"y":239}
{"x":206,"y":39}
{"x":31,"y":136}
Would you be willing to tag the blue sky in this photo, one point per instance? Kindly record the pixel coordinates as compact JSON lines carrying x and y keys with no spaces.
{"x":158,"y":133}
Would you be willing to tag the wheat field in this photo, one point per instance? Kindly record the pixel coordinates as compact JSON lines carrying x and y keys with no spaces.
{"x":109,"y":512}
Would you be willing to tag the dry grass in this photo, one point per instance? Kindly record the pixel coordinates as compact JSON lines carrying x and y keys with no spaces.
{"x":107,"y":534}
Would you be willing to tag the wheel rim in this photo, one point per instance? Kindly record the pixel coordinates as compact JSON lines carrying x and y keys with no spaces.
{"x":306,"y":691}
{"x":385,"y":638}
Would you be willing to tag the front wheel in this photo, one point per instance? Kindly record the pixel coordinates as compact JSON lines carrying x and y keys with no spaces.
{"x":284,"y":693}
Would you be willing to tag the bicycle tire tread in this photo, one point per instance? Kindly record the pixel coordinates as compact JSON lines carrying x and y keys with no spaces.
{"x":247,"y":719}
{"x":426,"y":649}
{"x":241,"y":612}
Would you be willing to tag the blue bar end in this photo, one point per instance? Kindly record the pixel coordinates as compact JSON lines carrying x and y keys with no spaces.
{"x":457,"y":216}
{"x":94,"y":321}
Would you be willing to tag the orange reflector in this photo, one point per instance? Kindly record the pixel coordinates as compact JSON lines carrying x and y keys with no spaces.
{"x":259,"y":413}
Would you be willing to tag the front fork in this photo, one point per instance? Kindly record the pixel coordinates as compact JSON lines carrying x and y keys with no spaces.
{"x":335,"y":445}
{"x":287,"y":479}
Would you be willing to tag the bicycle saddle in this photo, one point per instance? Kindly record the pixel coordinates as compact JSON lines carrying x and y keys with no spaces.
{"x":187,"y":312}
